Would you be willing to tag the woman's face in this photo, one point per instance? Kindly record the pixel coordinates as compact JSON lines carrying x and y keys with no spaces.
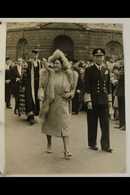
{"x":57,"y":66}
{"x":35,"y":56}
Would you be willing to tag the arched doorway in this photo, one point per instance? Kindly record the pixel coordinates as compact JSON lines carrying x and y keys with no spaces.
{"x":114,"y":50}
{"x":65,"y":44}
{"x":22,"y":49}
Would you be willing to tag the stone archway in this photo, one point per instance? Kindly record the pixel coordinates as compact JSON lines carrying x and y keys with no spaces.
{"x":114,"y":50}
{"x":65,"y":44}
{"x":22,"y":49}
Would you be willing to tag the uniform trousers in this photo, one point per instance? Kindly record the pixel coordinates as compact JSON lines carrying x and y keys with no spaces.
{"x":100,"y":112}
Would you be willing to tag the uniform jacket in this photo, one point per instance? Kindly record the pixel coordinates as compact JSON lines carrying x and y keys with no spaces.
{"x":97,"y":85}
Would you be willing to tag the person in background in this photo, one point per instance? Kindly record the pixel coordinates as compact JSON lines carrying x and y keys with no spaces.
{"x":121,"y":97}
{"x":32,"y":87}
{"x":16,"y":77}
{"x":77,"y":101}
{"x":114,"y":81}
{"x":22,"y":97}
{"x":8,"y":83}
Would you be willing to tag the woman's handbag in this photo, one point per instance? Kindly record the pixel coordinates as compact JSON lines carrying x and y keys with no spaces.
{"x":44,"y":110}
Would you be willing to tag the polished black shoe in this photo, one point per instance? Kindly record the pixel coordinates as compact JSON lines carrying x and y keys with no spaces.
{"x":107,"y":150}
{"x":31,"y":121}
{"x":93,"y":147}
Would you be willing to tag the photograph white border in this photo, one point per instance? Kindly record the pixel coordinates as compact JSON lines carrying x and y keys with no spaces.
{"x":2,"y":99}
{"x":126,"y":35}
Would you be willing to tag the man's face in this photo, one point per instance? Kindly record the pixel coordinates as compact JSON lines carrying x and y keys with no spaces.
{"x":35,"y":55}
{"x":20,"y":61}
{"x":98,"y":59}
{"x":9,"y":62}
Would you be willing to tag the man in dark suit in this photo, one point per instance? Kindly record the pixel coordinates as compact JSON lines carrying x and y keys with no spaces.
{"x":8,"y":82}
{"x":121,"y":98}
{"x":98,"y":99}
{"x":16,"y":72}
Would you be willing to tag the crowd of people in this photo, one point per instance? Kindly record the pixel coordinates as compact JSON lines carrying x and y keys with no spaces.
{"x":54,"y":88}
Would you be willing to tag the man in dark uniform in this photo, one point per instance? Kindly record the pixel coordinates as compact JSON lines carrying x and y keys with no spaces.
{"x":32,"y":101}
{"x":8,"y":82}
{"x":98,"y":99}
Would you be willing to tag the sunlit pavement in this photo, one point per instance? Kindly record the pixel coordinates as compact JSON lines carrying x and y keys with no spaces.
{"x":26,"y":145}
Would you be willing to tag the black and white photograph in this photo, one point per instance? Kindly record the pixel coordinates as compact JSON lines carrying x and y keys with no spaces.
{"x":64,"y":99}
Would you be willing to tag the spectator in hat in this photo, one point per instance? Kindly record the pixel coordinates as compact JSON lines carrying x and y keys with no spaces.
{"x":98,"y":99}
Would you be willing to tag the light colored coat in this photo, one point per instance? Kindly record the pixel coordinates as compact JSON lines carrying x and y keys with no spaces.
{"x":55,"y":110}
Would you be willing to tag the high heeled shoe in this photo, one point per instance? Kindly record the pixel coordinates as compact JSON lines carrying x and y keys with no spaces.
{"x":67,"y":155}
{"x":49,"y":150}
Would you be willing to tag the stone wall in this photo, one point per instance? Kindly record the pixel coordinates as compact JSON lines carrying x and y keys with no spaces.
{"x":84,"y":40}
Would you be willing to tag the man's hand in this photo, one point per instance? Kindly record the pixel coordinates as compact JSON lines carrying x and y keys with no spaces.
{"x":17,"y":79}
{"x":7,"y":81}
{"x":78,"y":91}
{"x":67,"y":95}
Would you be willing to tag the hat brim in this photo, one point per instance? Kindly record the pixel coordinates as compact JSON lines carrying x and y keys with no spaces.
{"x":35,"y":51}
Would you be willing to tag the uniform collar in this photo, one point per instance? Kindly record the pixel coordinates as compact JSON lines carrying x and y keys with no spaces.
{"x":98,"y":67}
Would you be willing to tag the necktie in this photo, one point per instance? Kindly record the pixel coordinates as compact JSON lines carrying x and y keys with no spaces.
{"x":100,"y":68}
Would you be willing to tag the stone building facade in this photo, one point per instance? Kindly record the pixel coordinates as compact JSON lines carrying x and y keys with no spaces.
{"x":76,"y":40}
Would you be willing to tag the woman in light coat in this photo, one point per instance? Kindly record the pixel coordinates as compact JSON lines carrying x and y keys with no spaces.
{"x":58,"y":85}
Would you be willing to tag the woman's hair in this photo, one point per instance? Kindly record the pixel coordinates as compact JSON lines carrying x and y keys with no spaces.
{"x":59,"y":55}
{"x":59,"y":59}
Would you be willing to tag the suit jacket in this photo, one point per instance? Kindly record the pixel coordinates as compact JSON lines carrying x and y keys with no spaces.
{"x":120,"y":90}
{"x":8,"y":75}
{"x":15,"y":84}
{"x":97,"y":85}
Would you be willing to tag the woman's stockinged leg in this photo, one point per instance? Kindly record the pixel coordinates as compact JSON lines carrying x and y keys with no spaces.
{"x":67,"y":154}
{"x":49,"y":144}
